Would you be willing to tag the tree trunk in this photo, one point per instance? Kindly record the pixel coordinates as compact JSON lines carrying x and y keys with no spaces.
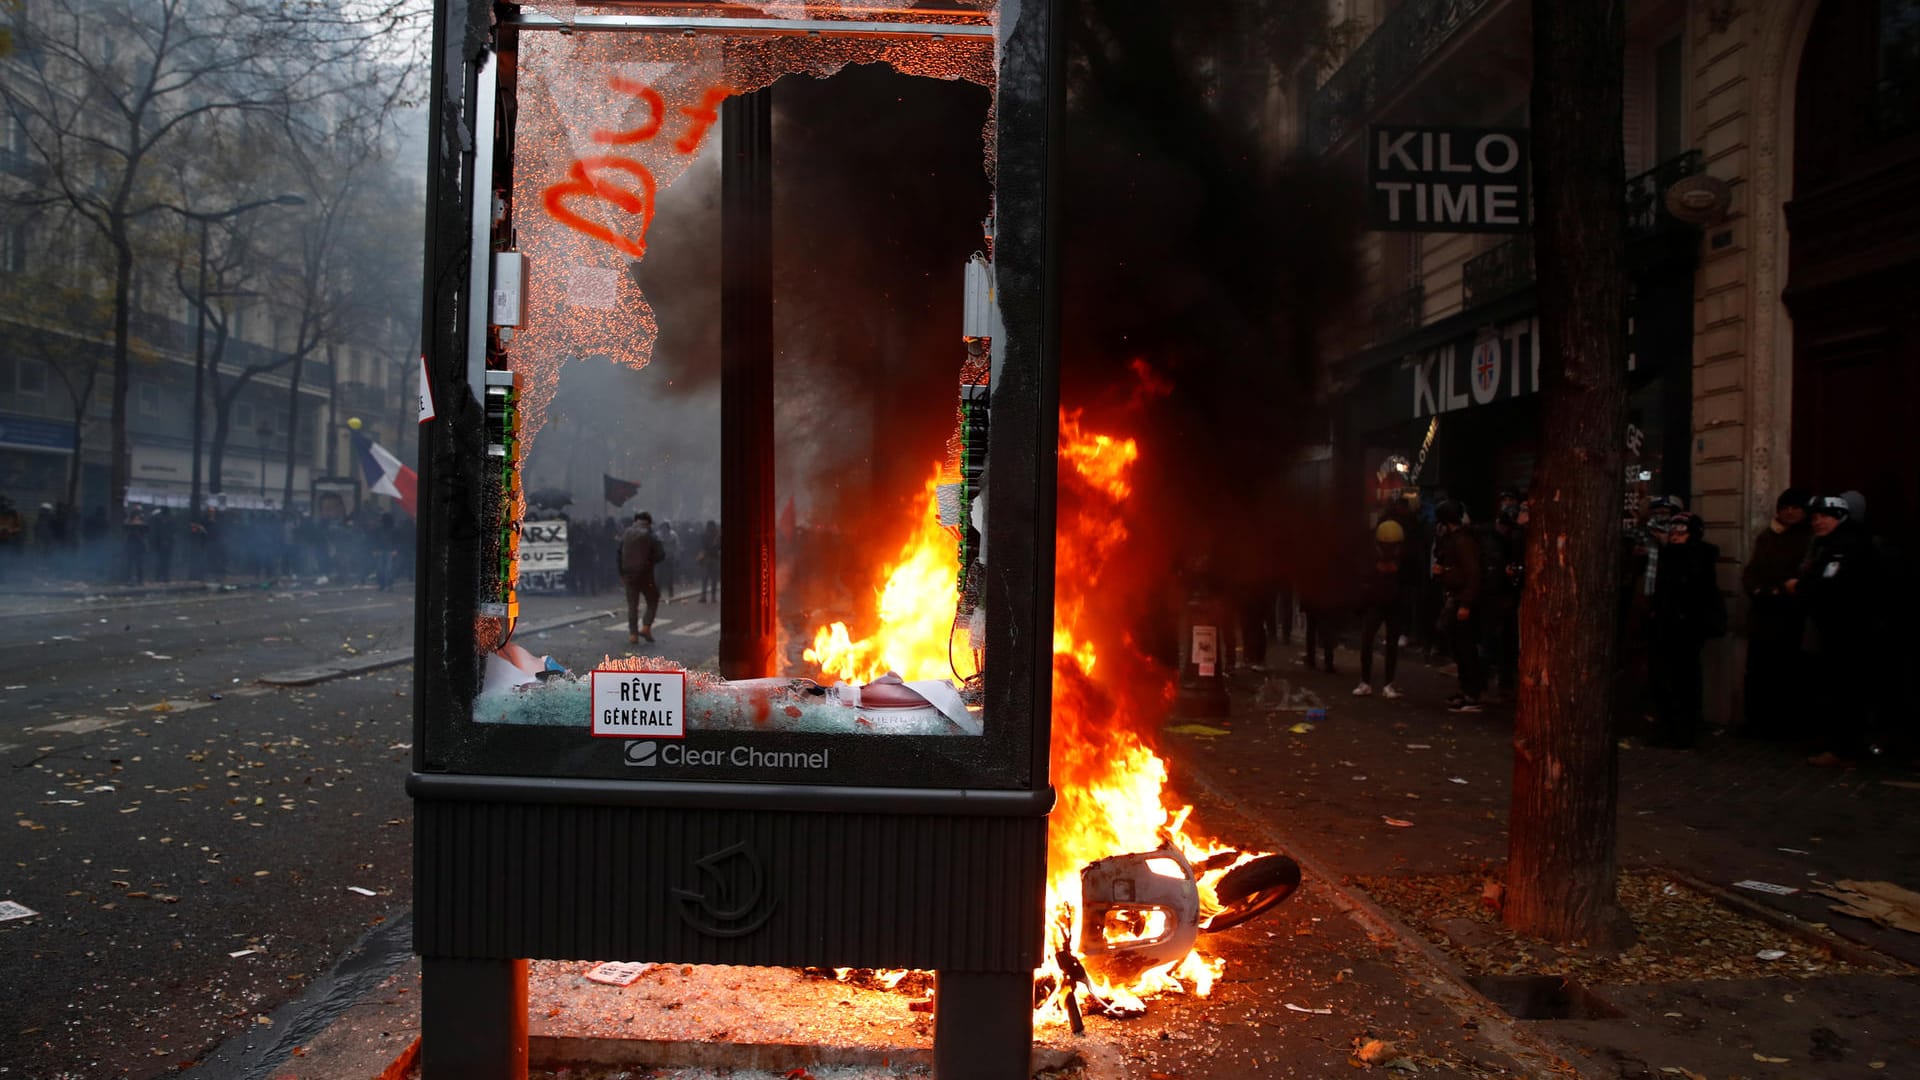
{"x":217,"y":452}
{"x":293,"y":427}
{"x":73,"y":471}
{"x":1561,"y":867}
{"x":121,"y":468}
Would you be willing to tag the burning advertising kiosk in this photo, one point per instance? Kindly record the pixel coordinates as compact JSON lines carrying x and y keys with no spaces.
{"x":875,"y":806}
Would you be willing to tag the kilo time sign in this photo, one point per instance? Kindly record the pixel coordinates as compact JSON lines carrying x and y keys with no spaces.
{"x":639,"y":704}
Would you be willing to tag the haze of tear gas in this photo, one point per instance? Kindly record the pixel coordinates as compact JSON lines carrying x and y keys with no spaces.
{"x":1202,"y":271}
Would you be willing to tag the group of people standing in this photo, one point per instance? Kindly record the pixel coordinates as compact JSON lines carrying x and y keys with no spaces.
{"x":1451,"y":587}
{"x":1816,"y":587}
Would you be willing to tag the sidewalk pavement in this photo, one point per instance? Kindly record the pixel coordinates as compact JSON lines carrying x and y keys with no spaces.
{"x":1734,"y":810}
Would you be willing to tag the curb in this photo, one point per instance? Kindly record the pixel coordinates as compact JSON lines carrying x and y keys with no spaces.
{"x":1437,"y":973}
{"x":320,"y":673}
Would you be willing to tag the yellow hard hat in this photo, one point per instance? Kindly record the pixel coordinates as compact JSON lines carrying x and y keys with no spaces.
{"x":1390,"y":532}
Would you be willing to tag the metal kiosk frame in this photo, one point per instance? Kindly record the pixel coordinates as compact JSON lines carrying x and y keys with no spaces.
{"x":509,"y":867}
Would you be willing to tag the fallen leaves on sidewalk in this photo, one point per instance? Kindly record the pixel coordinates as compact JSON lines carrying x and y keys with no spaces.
{"x":1684,"y":935}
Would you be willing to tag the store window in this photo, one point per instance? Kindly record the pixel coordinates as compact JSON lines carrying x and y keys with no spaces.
{"x":1899,"y":67}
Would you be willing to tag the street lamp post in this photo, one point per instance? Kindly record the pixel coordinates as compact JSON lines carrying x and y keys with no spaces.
{"x":200,"y":326}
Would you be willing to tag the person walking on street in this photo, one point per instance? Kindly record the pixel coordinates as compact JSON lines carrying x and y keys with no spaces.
{"x":1839,"y":583}
{"x":1686,"y":610}
{"x":1776,"y":619}
{"x":1382,"y":601}
{"x":640,"y":553}
{"x":1457,"y":568}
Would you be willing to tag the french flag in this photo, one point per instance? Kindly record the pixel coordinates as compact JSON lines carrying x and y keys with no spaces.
{"x":384,"y":473}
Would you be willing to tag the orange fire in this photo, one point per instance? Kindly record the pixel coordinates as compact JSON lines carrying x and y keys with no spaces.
{"x":916,"y":613}
{"x":1109,"y":782}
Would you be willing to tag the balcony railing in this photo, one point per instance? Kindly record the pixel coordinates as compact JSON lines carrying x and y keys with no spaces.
{"x":1647,"y":195}
{"x":1383,"y":63}
{"x":1398,"y":314}
{"x":1496,"y":272}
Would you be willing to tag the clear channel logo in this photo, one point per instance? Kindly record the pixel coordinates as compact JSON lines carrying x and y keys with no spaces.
{"x":647,"y":753}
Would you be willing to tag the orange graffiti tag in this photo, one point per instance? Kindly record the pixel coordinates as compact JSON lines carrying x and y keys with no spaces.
{"x":581,"y":180}
{"x":704,"y":115}
{"x":656,"y":114}
{"x":586,"y":176}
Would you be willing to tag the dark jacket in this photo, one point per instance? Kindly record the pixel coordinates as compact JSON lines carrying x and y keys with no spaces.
{"x":640,"y":552}
{"x":1460,"y":567}
{"x":1777,"y":555}
{"x":1498,"y":551}
{"x":1687,"y":605}
{"x":1840,"y":583}
{"x":1380,"y":581}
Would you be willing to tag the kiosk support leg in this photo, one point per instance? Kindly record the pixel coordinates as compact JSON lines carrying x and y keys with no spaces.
{"x":983,"y":1025}
{"x":473,"y":1019}
{"x":747,"y":640}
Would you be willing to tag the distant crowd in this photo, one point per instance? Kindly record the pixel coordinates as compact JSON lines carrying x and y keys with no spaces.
{"x":158,"y":545}
{"x":689,"y":555}
{"x":1821,"y":602}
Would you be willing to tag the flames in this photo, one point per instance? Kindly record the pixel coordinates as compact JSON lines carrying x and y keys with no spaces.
{"x":916,"y":629}
{"x":1109,"y":782}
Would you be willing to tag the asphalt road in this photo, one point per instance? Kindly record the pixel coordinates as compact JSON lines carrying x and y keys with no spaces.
{"x":198,"y":846}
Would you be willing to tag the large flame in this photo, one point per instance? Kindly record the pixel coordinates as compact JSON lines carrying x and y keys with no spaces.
{"x":916,"y":634}
{"x":1109,"y":782}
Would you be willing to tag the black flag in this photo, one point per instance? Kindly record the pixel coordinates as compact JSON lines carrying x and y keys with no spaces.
{"x":618,"y":490}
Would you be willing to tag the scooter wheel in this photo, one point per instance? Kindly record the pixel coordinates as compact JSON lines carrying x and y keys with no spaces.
{"x":1251,"y":888}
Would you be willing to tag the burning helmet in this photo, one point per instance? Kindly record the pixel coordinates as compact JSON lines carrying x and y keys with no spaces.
{"x":1389,"y":532}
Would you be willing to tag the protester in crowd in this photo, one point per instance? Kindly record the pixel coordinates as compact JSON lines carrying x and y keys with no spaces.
{"x":669,"y":566}
{"x":640,"y":553}
{"x":1415,"y":558}
{"x":1324,"y":598}
{"x":386,"y":551}
{"x":1457,"y":567}
{"x":1254,"y":593}
{"x":160,"y":543}
{"x":1686,"y":610}
{"x":1503,"y":548}
{"x":1839,"y":583}
{"x":134,"y":546}
{"x":1382,"y":603}
{"x":710,"y":562}
{"x":1776,"y":619}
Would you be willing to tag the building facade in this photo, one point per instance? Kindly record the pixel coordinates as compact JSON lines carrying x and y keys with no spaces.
{"x":1770,"y":343}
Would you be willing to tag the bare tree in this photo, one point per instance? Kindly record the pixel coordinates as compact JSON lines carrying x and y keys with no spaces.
{"x":1561,"y":867}
{"x":52,"y":319}
{"x":106,"y":93}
